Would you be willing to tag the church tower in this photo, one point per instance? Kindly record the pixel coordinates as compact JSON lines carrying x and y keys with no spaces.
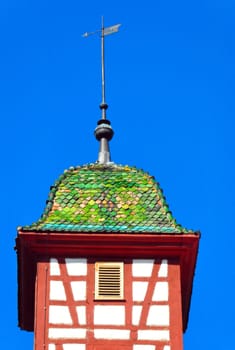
{"x":106,"y":266}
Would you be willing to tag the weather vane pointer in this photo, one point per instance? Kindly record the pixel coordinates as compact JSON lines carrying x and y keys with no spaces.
{"x":103,"y":31}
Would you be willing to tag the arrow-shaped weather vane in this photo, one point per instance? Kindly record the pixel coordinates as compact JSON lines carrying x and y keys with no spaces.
{"x":104,"y":31}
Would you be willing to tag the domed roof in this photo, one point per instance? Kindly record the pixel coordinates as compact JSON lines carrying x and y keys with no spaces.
{"x":106,"y":198}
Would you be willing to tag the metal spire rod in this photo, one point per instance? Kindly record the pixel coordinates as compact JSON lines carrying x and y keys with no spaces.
{"x":103,"y":131}
{"x":104,"y":31}
{"x":103,"y":103}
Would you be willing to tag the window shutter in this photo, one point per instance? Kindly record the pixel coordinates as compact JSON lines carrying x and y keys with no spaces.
{"x":108,"y":280}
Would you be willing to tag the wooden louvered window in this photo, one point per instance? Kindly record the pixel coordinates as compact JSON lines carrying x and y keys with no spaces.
{"x":109,"y":280}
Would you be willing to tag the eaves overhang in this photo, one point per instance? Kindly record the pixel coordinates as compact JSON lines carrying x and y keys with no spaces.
{"x":33,"y":247}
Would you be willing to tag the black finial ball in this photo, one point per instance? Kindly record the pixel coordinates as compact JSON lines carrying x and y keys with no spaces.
{"x":103,"y":106}
{"x":104,"y":130}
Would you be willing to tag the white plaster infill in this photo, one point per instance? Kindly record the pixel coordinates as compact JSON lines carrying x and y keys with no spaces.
{"x":158,"y":315}
{"x":136,"y":313}
{"x":67,"y":333}
{"x":167,"y":347}
{"x":111,"y":334}
{"x":78,"y":290}
{"x":81,"y":313}
{"x":76,"y":267}
{"x":163,"y":271}
{"x":161,"y":292}
{"x":139,"y":290}
{"x":143,"y":347}
{"x":59,"y":315}
{"x":142,"y":267}
{"x":74,"y":346}
{"x":54,"y":267}
{"x":109,"y":315}
{"x":153,"y":335}
{"x":57,"y":291}
{"x":51,"y":347}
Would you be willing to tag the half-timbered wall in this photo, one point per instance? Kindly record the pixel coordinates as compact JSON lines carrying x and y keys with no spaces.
{"x":67,"y":316}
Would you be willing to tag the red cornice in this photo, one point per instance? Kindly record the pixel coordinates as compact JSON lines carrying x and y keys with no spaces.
{"x":33,"y":247}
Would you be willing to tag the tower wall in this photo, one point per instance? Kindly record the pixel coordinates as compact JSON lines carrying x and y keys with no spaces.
{"x":69,"y":317}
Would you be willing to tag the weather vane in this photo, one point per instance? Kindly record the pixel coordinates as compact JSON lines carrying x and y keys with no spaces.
{"x":104,"y":31}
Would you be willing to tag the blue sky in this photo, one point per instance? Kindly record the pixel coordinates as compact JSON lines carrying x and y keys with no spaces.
{"x":170,"y":88}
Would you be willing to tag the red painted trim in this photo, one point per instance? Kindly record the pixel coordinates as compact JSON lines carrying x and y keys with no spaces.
{"x":128,"y":292}
{"x":109,"y":345}
{"x":90,"y":298}
{"x":149,"y":295}
{"x":69,"y":294}
{"x":33,"y":248}
{"x":176,"y":328}
{"x":41,"y":306}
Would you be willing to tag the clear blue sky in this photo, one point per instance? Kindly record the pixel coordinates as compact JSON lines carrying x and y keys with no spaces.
{"x":170,"y":88}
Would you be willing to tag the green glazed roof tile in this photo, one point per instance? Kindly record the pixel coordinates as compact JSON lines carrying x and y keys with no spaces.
{"x":106,"y":198}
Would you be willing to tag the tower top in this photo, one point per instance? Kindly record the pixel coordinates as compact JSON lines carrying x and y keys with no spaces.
{"x":103,"y":131}
{"x":107,"y":198}
{"x":97,"y":214}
